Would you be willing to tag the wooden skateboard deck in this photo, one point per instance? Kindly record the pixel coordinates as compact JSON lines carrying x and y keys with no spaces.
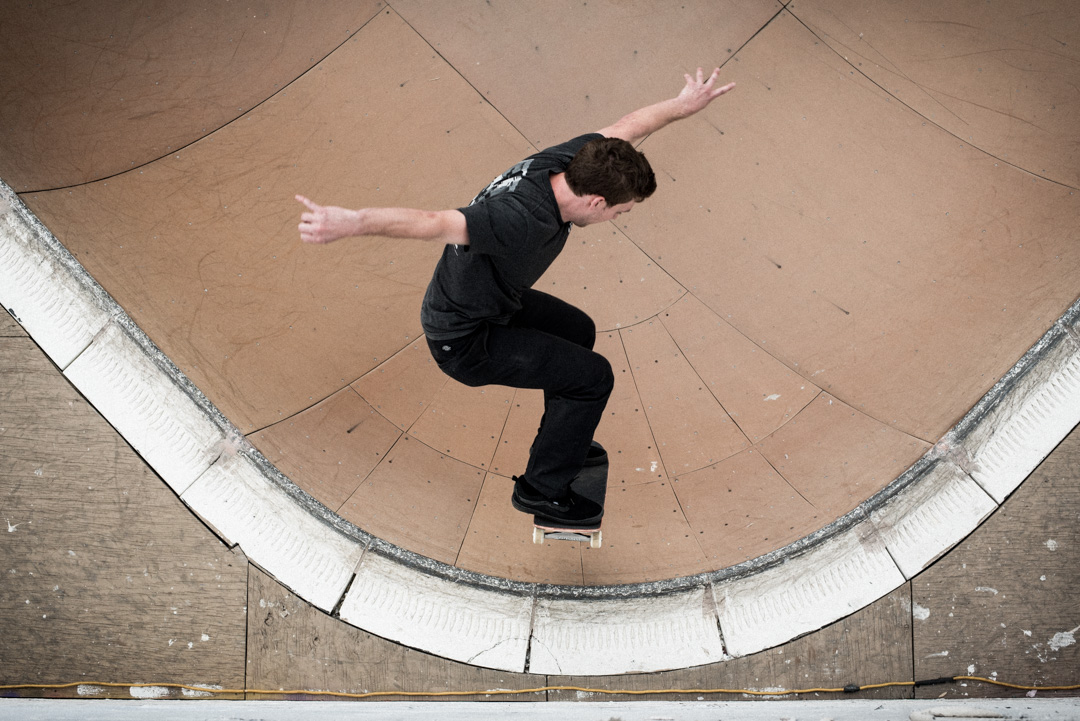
{"x":590,"y":483}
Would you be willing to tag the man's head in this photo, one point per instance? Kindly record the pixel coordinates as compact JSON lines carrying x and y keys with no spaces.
{"x":612,"y":169}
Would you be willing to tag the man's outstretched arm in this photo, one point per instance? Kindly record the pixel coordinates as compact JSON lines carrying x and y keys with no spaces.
{"x":695,"y":96}
{"x":327,"y":223}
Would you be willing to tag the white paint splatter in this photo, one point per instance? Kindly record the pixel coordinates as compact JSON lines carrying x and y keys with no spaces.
{"x":920,"y":612}
{"x":11,"y":528}
{"x":1051,"y":544}
{"x":88,"y":690}
{"x":986,"y":589}
{"x":773,"y":397}
{"x":1063,"y":639}
{"x":192,"y":693}
{"x":205,"y":637}
{"x":653,"y":466}
{"x":971,"y":670}
{"x":940,"y":654}
{"x":148,"y":691}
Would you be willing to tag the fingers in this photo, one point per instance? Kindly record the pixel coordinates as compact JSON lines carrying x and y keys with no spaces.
{"x":720,"y":91}
{"x":308,"y":203}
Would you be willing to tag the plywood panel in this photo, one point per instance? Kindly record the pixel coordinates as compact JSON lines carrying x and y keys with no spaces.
{"x":862,"y":246}
{"x":522,"y":424}
{"x":107,"y":577}
{"x":293,"y":646}
{"x":208,"y":259}
{"x":624,"y":430}
{"x":465,"y":423}
{"x":646,"y":538}
{"x":998,"y":75}
{"x":608,"y":277}
{"x":559,"y":70}
{"x":757,"y":391}
{"x":692,"y":429}
{"x":403,"y":386}
{"x":128,"y":84}
{"x":9,"y":328}
{"x":741,"y":508}
{"x":499,"y":542}
{"x":1003,"y":603}
{"x":417,"y":498}
{"x":331,"y":448}
{"x":837,"y":457}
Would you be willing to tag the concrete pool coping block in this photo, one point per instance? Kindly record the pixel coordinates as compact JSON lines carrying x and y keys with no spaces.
{"x":489,"y":621}
{"x":467,"y":623}
{"x":610,"y":636}
{"x":294,"y":546}
{"x":833,"y":579}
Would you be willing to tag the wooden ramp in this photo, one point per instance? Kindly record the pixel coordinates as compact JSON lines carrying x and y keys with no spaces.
{"x":844,"y":330}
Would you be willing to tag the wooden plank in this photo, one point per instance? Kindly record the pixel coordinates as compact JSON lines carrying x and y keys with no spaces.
{"x":107,"y":577}
{"x":293,"y":646}
{"x":1003,"y":603}
{"x":872,"y":645}
{"x":9,"y":328}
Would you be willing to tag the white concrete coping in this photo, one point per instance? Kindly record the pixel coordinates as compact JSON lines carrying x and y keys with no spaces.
{"x":299,"y":549}
{"x":469,"y":623}
{"x":147,"y":408}
{"x":611,"y":636}
{"x":517,"y":626}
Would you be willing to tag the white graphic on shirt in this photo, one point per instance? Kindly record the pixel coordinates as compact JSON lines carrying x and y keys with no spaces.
{"x":505,"y":183}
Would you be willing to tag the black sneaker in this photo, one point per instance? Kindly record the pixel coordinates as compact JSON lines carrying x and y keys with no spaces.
{"x":572,"y":510}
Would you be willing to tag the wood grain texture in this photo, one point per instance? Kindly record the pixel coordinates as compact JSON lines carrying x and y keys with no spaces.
{"x":107,"y":577}
{"x":1003,"y":603}
{"x":294,"y":646}
{"x":9,"y":328}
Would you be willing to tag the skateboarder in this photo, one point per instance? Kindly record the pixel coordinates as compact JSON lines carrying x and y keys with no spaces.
{"x":484,"y":322}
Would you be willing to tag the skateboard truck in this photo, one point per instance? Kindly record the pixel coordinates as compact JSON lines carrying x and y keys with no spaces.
{"x":542,"y":532}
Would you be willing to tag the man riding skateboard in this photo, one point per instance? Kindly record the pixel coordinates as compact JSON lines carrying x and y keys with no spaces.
{"x":484,"y":322}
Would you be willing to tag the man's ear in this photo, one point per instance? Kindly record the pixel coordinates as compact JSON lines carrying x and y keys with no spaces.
{"x":597,"y":202}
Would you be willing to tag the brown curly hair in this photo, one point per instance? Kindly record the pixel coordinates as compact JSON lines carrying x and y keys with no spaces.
{"x":613,"y":169}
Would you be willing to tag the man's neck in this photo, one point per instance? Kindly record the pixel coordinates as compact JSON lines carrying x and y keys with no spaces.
{"x":570,"y":204}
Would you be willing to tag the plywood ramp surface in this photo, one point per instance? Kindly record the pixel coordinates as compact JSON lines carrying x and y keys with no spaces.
{"x":100,"y":88}
{"x":999,"y":77}
{"x":844,"y":257}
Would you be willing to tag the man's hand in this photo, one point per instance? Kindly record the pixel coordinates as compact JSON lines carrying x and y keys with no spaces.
{"x":693,"y":98}
{"x":699,"y":92}
{"x":326,"y":223}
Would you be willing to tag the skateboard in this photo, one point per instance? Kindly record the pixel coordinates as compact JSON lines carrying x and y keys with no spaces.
{"x":590,"y":483}
{"x":543,"y":532}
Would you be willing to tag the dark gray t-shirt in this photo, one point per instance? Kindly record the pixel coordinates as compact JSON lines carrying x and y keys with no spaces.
{"x":515,"y":234}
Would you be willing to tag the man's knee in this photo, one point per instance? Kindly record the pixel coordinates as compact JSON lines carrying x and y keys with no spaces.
{"x":606,"y":382}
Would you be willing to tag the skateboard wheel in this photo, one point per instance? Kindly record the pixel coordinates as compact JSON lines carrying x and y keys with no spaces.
{"x":538,"y":535}
{"x":595,"y":539}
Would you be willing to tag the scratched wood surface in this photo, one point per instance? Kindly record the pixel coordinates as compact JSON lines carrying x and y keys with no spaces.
{"x":1003,"y":604}
{"x":292,"y":645}
{"x":106,"y":575}
{"x":8,"y":326}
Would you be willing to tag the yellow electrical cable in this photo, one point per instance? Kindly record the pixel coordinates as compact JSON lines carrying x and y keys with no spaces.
{"x":505,"y":692}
